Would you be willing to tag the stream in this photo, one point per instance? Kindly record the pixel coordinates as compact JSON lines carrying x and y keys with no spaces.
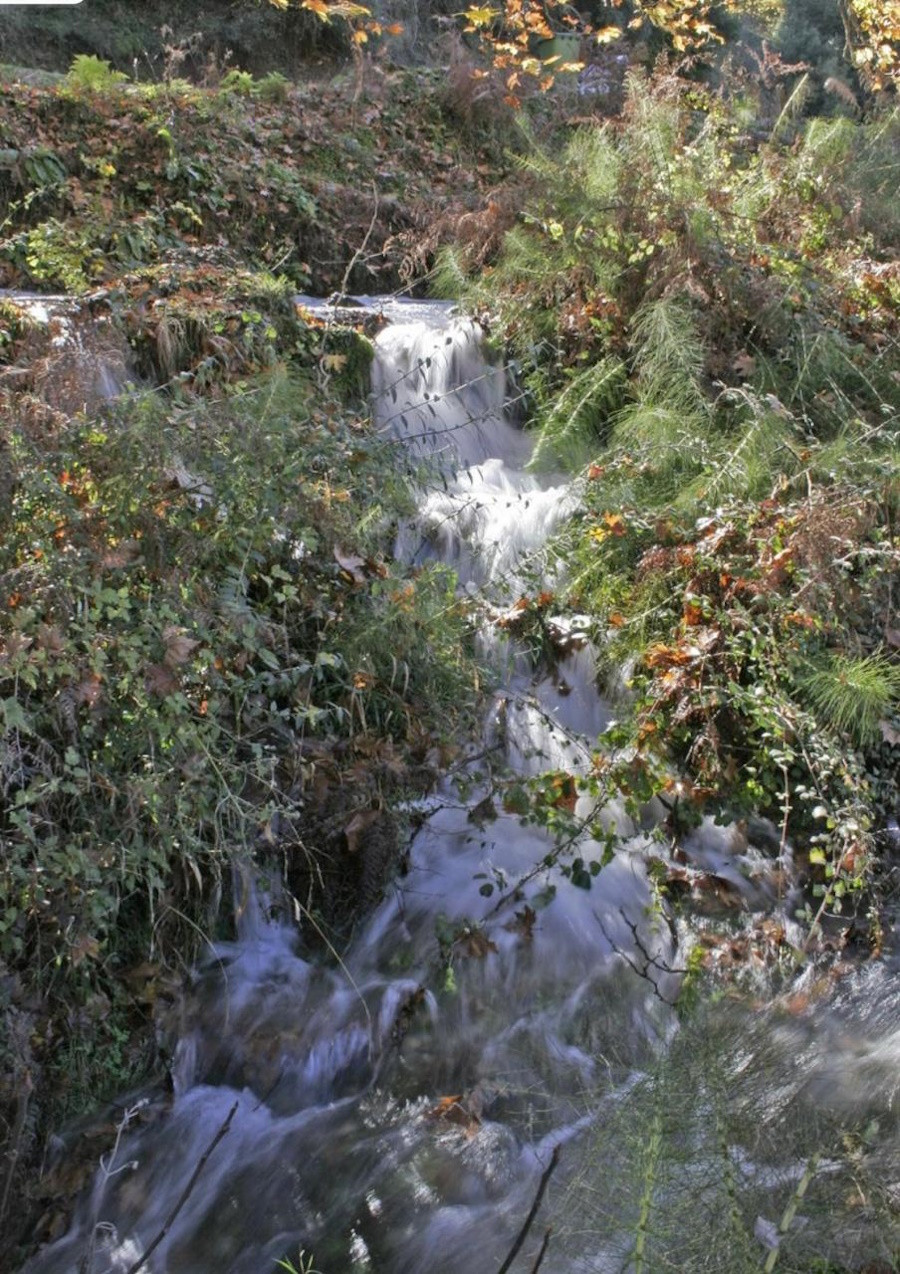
{"x":397,"y":1112}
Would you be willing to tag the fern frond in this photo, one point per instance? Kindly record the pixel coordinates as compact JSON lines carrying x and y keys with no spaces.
{"x":765,"y":448}
{"x":669,"y":356}
{"x":853,"y":693}
{"x":792,"y":109}
{"x":449,"y":278}
{"x":575,"y":420}
{"x":668,"y":445}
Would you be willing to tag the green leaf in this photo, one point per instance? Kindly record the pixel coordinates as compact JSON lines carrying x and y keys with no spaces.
{"x":14,"y":717}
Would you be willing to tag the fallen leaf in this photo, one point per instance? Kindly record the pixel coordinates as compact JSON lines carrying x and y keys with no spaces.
{"x":160,"y":680}
{"x":692,"y":613}
{"x":350,"y":564}
{"x":179,"y":646}
{"x":359,"y":824}
{"x":456,"y":1110}
{"x":474,"y":943}
{"x":523,"y":924}
{"x":85,"y":947}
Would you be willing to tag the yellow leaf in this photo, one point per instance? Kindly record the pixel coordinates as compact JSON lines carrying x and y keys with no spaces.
{"x":606,"y":35}
{"x":360,"y":37}
{"x":334,"y":362}
{"x":318,"y":7}
{"x":480,"y":17}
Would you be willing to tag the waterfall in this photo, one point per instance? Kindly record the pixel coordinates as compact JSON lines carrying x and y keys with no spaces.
{"x":394,"y":1114}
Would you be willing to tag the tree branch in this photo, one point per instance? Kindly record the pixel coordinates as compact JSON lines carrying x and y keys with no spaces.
{"x":529,"y":1220}
{"x":186,"y":1192}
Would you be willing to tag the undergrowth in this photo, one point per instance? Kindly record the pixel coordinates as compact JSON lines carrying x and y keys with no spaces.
{"x":202,"y":638}
{"x":707,"y":329}
{"x":189,"y":588}
{"x":745,"y":1147}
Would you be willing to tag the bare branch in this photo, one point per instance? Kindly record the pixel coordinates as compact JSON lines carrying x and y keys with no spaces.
{"x":529,"y":1220}
{"x":186,"y":1192}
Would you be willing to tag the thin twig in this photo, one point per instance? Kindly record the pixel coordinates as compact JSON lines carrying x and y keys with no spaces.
{"x":650,"y":961}
{"x":186,"y":1192}
{"x":23,"y":1096}
{"x":543,"y":1252}
{"x":513,"y":894}
{"x":108,"y":1170}
{"x":529,"y":1220}
{"x":362,"y":247}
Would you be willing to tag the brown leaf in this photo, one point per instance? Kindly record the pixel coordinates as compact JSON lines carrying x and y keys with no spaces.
{"x":350,"y":564}
{"x":89,"y":690}
{"x":178,"y":646}
{"x":474,"y":943}
{"x":376,"y":567}
{"x":85,"y":947}
{"x":889,"y":733}
{"x":892,"y":636}
{"x":160,"y":680}
{"x":523,"y":923}
{"x":456,"y":1110}
{"x":359,"y":824}
{"x":564,"y":792}
{"x":50,"y":638}
{"x":121,"y":555}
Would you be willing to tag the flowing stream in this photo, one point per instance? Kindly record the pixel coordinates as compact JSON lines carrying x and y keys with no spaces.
{"x":396,"y":1114}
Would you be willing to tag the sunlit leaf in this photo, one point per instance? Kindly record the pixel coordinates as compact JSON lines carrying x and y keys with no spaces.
{"x":480,"y":17}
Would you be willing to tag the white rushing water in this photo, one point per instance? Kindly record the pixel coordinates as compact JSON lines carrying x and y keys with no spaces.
{"x":541,"y":1023}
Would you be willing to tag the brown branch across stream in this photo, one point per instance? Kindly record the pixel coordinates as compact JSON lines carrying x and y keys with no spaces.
{"x":186,"y":1192}
{"x":529,"y":1220}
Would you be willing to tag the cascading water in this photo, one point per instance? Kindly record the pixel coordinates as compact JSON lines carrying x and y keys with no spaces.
{"x":395,"y":1114}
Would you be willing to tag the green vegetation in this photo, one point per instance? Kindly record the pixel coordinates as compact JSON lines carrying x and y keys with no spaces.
{"x":705,"y":1162}
{"x":188,"y":588}
{"x":206,"y":653}
{"x":710,"y":330}
{"x":206,"y":656}
{"x":118,"y":184}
